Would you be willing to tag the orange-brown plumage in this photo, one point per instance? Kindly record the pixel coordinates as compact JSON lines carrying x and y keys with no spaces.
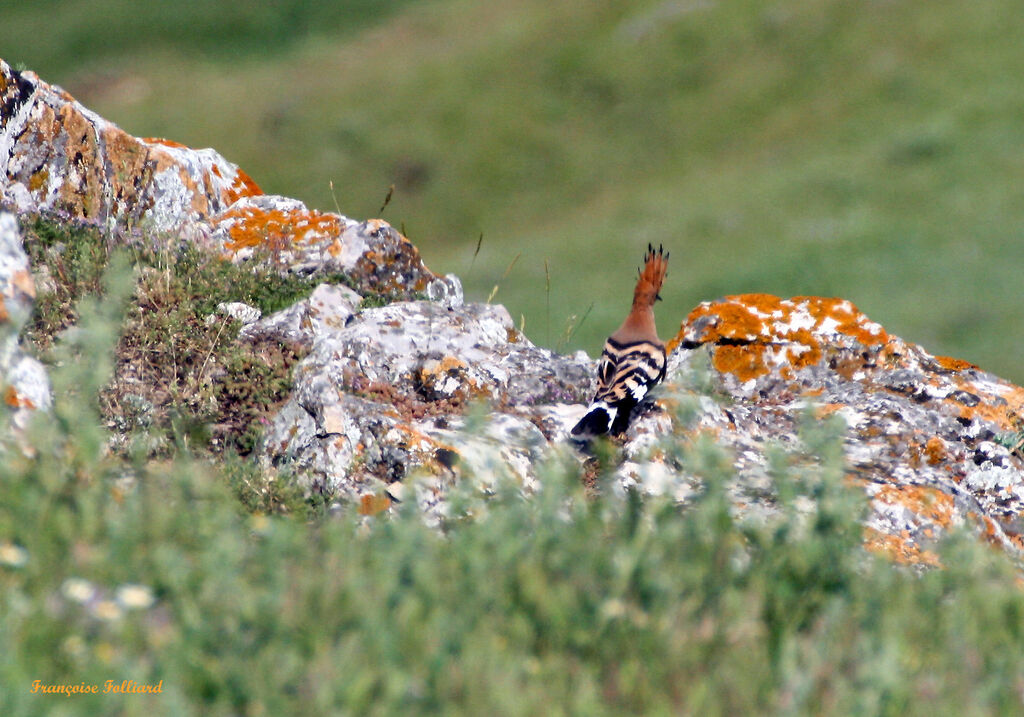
{"x":639,"y":324}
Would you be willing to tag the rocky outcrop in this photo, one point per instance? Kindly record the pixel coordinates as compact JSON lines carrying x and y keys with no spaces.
{"x":401,"y":401}
{"x":383,"y":393}
{"x":59,"y":158}
{"x":23,"y":379}
{"x":932,"y":439}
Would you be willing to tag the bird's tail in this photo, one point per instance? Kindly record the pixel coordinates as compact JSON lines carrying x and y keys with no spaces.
{"x":652,"y":276}
{"x":597,"y":421}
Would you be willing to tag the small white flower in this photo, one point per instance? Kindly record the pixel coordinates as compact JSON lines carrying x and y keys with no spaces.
{"x":12,"y":555}
{"x":78,"y":590}
{"x":107,"y":610}
{"x":135,"y":597}
{"x":74,"y":646}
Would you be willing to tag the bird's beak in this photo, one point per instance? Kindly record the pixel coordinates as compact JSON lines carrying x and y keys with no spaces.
{"x":657,"y":297}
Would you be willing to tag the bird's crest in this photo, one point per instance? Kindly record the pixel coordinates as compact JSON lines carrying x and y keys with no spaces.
{"x":652,"y":276}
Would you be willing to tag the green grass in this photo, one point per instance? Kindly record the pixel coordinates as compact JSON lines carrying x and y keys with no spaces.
{"x":824,"y":148}
{"x":88,"y":33}
{"x":569,"y":602}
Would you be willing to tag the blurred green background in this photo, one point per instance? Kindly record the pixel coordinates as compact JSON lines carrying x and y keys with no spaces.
{"x":869,"y":150}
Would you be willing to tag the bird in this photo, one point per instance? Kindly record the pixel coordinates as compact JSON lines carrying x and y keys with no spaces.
{"x":633,"y":360}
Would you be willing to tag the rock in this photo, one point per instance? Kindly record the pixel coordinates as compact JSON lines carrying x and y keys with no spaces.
{"x":381,"y":398}
{"x":328,"y":308}
{"x":381,"y":395}
{"x":377,"y":257}
{"x":385,"y":403}
{"x":239,"y":311}
{"x":425,"y":352}
{"x":920,"y":433}
{"x":23,"y":380}
{"x":59,"y":158}
{"x":447,"y":291}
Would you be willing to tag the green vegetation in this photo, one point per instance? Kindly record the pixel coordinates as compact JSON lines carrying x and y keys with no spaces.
{"x":571,"y":602}
{"x":808,"y":147}
{"x":179,"y":368}
{"x":91,"y":33}
{"x":177,"y":371}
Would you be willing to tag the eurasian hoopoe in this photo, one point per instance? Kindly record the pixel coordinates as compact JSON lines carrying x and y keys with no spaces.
{"x":633,"y":360}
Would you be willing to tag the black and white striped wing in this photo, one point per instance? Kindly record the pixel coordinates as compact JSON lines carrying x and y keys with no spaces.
{"x":626,"y":373}
{"x":629,"y":370}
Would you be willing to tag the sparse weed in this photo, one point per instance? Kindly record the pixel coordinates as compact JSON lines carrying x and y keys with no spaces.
{"x":177,"y":370}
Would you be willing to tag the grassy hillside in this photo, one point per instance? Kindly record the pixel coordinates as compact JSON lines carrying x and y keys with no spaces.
{"x":865,"y":150}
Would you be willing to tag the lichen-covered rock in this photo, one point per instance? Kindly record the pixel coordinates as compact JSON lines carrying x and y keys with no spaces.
{"x":328,"y":308}
{"x":376,"y":256}
{"x":59,"y":158}
{"x":23,"y":380}
{"x":241,"y":312}
{"x":383,"y":390}
{"x":926,"y":435}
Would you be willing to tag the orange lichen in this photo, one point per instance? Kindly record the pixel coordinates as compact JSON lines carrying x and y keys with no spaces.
{"x":805,"y":351}
{"x":823,"y":411}
{"x":450,"y":366}
{"x":1004,"y":409}
{"x":746,"y":362}
{"x":450,"y":363}
{"x":277,"y":229}
{"x":164,"y":142}
{"x":128,"y":167}
{"x":850,"y":321}
{"x":372,"y":504}
{"x":953,"y":364}
{"x":749,"y":325}
{"x":243,"y":186}
{"x":925,"y":501}
{"x":899,"y":549}
{"x":935,"y":450}
{"x":735,"y":317}
{"x":13,"y":399}
{"x":418,"y":437}
{"x":992,"y":533}
{"x":38,"y":180}
{"x":85,"y":196}
{"x":24,"y":283}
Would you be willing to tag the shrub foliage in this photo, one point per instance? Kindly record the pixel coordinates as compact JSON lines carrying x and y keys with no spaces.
{"x":118,"y":566}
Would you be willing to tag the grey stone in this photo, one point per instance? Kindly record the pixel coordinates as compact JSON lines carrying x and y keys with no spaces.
{"x":23,"y":380}
{"x":328,"y":308}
